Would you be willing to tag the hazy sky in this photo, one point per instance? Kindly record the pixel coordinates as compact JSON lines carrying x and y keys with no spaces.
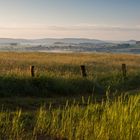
{"x":99,"y":19}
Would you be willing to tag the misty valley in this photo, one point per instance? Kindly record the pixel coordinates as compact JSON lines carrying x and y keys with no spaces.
{"x":70,"y":45}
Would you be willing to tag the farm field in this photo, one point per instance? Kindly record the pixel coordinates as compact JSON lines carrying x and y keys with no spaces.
{"x":59,"y":103}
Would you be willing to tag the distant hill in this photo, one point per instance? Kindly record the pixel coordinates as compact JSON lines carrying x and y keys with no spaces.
{"x":62,"y":40}
{"x":50,"y":41}
{"x":69,"y":45}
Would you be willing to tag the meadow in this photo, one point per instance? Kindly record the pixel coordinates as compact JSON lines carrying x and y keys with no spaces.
{"x":60,"y":74}
{"x":59,"y":104}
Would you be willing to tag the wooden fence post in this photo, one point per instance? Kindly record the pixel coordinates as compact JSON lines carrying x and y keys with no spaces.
{"x":83,"y":71}
{"x":32,"y":70}
{"x":124,"y":70}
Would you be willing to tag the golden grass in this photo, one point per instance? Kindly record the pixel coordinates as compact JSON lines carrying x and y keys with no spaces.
{"x":12,"y":62}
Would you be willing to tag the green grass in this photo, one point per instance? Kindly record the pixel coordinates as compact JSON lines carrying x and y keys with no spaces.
{"x":49,"y":106}
{"x":45,"y":86}
{"x":52,"y":86}
{"x":118,"y":119}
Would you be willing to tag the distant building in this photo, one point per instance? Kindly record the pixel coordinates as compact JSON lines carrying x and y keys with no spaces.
{"x":123,"y":45}
{"x":13,"y":44}
{"x":138,"y":42}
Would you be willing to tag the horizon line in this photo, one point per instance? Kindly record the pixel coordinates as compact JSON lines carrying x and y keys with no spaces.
{"x":65,"y":38}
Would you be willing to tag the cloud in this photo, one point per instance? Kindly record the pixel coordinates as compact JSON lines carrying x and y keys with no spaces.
{"x":95,"y":27}
{"x":105,"y":32}
{"x":80,"y":27}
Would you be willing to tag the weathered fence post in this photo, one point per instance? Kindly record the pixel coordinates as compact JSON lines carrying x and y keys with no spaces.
{"x":32,"y":70}
{"x":124,"y":70}
{"x":83,"y":71}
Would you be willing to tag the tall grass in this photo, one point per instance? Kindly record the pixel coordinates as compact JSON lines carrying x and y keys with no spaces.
{"x":66,"y":64}
{"x":118,"y":119}
{"x":60,"y":74}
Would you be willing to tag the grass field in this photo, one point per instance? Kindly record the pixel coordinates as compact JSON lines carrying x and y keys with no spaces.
{"x":60,"y":73}
{"x":118,"y":119}
{"x":58,"y":103}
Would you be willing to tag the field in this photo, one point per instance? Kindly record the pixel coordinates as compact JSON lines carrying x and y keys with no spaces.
{"x":58,"y":103}
{"x":60,"y":74}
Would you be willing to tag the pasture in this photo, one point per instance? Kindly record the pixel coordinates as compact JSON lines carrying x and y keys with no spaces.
{"x":59,"y":103}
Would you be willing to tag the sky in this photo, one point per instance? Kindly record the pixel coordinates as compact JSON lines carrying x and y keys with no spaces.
{"x":97,"y":19}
